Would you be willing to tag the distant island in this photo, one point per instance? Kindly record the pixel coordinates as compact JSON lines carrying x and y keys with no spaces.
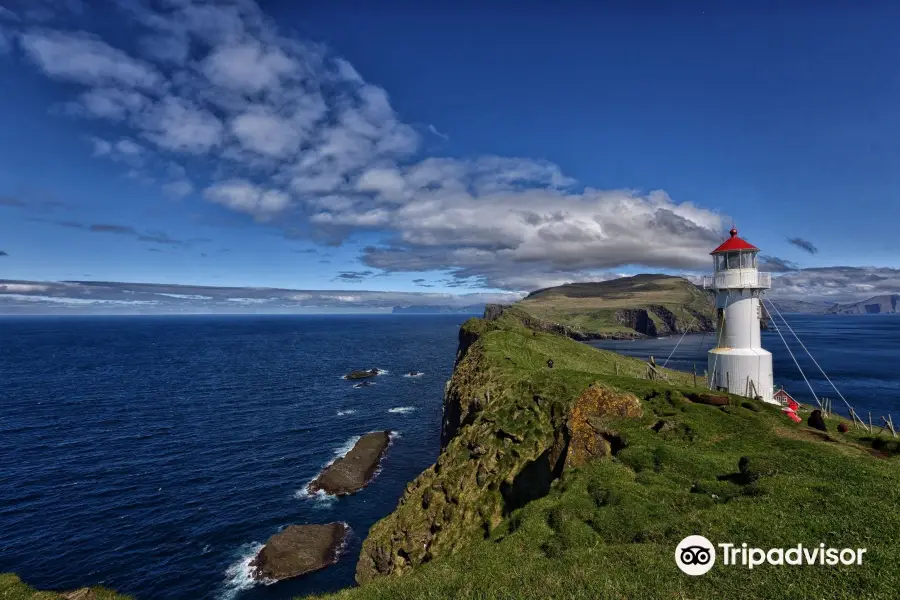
{"x":877,"y":305}
{"x":441,"y":309}
{"x":625,"y":308}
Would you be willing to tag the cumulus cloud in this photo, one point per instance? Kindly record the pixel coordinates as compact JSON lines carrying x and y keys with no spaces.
{"x":804,"y":245}
{"x":86,"y":59}
{"x":244,"y":196}
{"x":837,"y":284}
{"x":4,"y":253}
{"x":298,"y":139}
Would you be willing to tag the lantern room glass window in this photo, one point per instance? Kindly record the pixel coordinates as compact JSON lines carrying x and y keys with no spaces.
{"x":735,"y":260}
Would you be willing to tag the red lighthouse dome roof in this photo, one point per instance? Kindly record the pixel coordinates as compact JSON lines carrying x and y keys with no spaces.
{"x":734,"y":243}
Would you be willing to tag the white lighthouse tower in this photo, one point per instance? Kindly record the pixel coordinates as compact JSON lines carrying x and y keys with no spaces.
{"x":738,"y":364}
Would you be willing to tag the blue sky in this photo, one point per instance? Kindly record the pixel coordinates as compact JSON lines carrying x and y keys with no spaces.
{"x":412,"y":148}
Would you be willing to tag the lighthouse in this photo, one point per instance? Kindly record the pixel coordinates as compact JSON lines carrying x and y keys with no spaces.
{"x":738,"y":364}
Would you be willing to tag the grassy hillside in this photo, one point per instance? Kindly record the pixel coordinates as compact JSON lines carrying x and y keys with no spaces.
{"x":12,"y":588}
{"x":607,"y":526}
{"x":645,"y":304}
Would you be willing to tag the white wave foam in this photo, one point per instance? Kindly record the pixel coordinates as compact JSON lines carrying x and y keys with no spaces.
{"x":402,"y":410}
{"x":393,"y":436}
{"x":418,"y":374}
{"x":238,"y":577}
{"x":321,"y":499}
{"x":367,"y":384}
{"x":349,"y":411}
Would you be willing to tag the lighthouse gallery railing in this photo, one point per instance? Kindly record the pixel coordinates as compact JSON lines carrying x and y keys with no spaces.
{"x":738,"y":278}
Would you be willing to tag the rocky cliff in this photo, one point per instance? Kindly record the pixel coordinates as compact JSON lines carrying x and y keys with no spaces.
{"x":505,"y":438}
{"x":577,"y":478}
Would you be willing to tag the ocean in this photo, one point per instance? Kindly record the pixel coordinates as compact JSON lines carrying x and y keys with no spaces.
{"x":859,"y":353}
{"x":154,"y":455}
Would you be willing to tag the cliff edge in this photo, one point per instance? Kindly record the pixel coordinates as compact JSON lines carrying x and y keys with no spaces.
{"x":579,"y":479}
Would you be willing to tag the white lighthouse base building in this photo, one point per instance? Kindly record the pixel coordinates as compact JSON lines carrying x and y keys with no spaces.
{"x":743,"y":371}
{"x":739,"y":364}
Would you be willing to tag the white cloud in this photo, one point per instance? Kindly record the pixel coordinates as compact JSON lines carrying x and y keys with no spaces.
{"x":178,"y":188}
{"x":108,"y":103}
{"x":248,"y":67}
{"x":86,"y":59}
{"x":836,"y":284}
{"x":386,"y":182}
{"x":21,"y":288}
{"x":177,"y":124}
{"x":281,"y":120}
{"x":244,"y":196}
{"x":263,"y":132}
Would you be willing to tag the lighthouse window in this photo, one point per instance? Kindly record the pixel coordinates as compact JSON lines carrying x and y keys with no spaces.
{"x":734,"y":260}
{"x":746,"y":260}
{"x":720,"y":262}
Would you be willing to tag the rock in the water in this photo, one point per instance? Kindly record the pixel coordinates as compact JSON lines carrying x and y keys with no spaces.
{"x":299,"y":549}
{"x":362,"y":384}
{"x":816,"y":421}
{"x":361,"y":374}
{"x":353,"y":471}
{"x":843,"y":427}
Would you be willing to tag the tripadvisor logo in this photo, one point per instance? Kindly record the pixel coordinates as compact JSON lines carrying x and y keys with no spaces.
{"x":696,"y":555}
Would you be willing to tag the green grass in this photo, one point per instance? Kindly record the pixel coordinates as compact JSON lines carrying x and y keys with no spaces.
{"x":12,"y":588}
{"x":609,"y":529}
{"x":592,"y":307}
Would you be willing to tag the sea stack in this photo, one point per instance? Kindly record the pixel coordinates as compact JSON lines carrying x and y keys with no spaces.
{"x":297,"y":550}
{"x":361,"y":374}
{"x":353,"y":471}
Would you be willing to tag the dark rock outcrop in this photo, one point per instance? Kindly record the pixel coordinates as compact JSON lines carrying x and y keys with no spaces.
{"x":361,"y":374}
{"x":637,"y":319}
{"x":710,"y":399}
{"x":589,"y":435}
{"x":816,"y":421}
{"x":299,"y":549}
{"x":843,"y":427}
{"x":353,"y":471}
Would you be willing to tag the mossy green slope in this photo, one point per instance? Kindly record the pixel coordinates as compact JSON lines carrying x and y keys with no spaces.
{"x":644,"y":304}
{"x":12,"y":588}
{"x":608,"y":529}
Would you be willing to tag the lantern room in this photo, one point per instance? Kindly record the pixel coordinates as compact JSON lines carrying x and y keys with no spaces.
{"x":734,"y":253}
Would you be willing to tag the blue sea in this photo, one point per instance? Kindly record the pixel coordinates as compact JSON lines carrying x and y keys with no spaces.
{"x":154,"y":455}
{"x":859,"y":353}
